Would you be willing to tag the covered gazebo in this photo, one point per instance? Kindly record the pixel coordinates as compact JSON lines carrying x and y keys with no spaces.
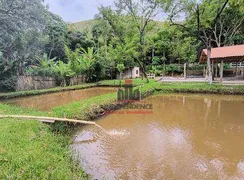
{"x":228,"y":54}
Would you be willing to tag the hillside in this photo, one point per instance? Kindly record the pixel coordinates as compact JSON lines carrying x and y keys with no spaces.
{"x":83,"y":25}
{"x":87,"y":25}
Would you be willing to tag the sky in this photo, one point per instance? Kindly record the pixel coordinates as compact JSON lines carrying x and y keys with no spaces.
{"x":79,"y":10}
{"x":76,"y":10}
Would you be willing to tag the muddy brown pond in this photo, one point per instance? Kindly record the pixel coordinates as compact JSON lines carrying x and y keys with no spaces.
{"x":48,"y":101}
{"x":185,"y":137}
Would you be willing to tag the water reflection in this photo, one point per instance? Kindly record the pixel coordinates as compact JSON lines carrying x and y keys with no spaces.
{"x":186,"y":137}
{"x":48,"y":101}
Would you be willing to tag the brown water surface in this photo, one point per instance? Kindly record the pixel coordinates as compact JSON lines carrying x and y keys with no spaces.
{"x":186,"y":137}
{"x":48,"y":101}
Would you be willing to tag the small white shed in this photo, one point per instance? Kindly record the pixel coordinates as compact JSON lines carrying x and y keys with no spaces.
{"x":132,"y":72}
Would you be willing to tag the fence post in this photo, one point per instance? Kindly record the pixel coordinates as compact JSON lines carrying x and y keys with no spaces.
{"x":185,"y":75}
{"x":221,"y":71}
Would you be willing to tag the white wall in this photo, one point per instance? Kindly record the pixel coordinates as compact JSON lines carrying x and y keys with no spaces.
{"x":130,"y":73}
{"x":135,"y":72}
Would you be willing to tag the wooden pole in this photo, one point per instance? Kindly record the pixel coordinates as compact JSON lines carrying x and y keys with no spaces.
{"x":185,"y":75}
{"x":213,"y":69}
{"x":221,"y":71}
{"x":204,"y":69}
{"x":243,"y":72}
{"x":47,"y":119}
{"x":216,"y":70}
{"x":236,"y":68}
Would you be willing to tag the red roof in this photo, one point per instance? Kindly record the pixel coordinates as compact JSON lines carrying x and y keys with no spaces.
{"x":228,"y":53}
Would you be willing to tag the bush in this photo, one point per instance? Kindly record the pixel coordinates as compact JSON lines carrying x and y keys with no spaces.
{"x":196,"y":67}
{"x":226,"y":66}
{"x":8,"y":83}
{"x":156,"y":70}
{"x":173,"y":68}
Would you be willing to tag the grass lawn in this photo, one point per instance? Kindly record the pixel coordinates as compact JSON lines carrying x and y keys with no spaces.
{"x":30,"y":149}
{"x":200,"y":88}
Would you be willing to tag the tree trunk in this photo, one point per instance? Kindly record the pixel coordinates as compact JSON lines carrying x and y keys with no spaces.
{"x":145,"y":74}
{"x":142,"y":69}
{"x":213,"y":74}
{"x":63,"y":84}
{"x":210,"y":76}
{"x":153,"y":53}
{"x":164,"y":69}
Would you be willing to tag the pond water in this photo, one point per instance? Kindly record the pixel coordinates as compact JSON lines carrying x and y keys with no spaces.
{"x":48,"y":101}
{"x":185,"y":137}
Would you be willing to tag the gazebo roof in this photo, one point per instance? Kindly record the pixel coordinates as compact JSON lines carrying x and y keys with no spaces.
{"x":227,"y":54}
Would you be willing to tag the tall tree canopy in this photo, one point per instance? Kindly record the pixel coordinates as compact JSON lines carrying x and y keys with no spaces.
{"x":26,"y":29}
{"x":204,"y":20}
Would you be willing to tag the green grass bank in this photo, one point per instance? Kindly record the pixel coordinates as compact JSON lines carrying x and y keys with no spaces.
{"x":31,"y":150}
{"x":44,"y":91}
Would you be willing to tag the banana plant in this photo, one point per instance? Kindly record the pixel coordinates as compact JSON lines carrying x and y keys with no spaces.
{"x":44,"y":66}
{"x":63,"y":71}
{"x":87,"y":61}
{"x":45,"y":62}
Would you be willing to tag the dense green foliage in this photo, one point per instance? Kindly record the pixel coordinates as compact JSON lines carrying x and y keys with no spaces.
{"x":33,"y":41}
{"x":27,"y":31}
{"x":214,"y":23}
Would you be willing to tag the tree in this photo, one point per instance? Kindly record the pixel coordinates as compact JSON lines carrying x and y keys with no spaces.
{"x":76,"y":40}
{"x":201,"y":18}
{"x":121,"y":68}
{"x":56,"y":31}
{"x":229,"y":25}
{"x":118,"y":38}
{"x":141,"y":13}
{"x":24,"y":27}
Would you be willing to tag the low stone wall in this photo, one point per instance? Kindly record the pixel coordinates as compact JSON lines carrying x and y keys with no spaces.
{"x":77,"y":80}
{"x":25,"y":83}
{"x":195,"y":72}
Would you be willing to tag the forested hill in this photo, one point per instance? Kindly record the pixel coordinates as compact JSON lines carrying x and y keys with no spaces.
{"x":87,"y":25}
{"x":83,"y":25}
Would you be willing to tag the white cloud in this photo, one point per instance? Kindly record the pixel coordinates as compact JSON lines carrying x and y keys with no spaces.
{"x":76,"y":10}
